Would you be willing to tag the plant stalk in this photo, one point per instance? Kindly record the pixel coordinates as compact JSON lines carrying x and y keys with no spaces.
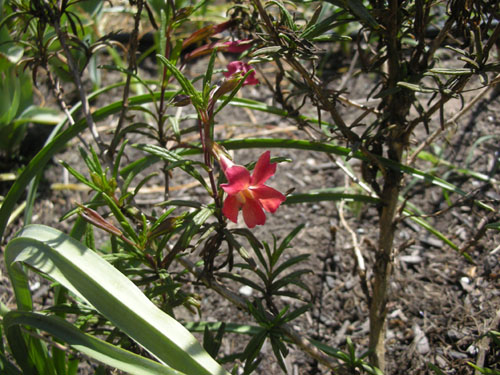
{"x":396,"y":107}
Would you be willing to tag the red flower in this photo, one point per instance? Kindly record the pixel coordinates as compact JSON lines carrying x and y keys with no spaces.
{"x":241,"y":68}
{"x":206,"y":32}
{"x":249,"y":193}
{"x":236,"y":46}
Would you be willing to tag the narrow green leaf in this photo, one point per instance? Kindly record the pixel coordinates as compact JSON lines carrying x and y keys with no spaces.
{"x":130,"y":171}
{"x":436,"y":369}
{"x":253,"y":348}
{"x":79,"y":176}
{"x":181,"y":203}
{"x":243,"y":329}
{"x":320,"y":197}
{"x":424,"y":155}
{"x":415,"y":87}
{"x":286,"y":14}
{"x":243,"y":280}
{"x":260,"y":273}
{"x":232,"y":241}
{"x":20,"y":351}
{"x":452,"y":71}
{"x":185,"y":165}
{"x":11,"y":95}
{"x":320,"y":28}
{"x":117,"y":161}
{"x":358,"y":9}
{"x":212,"y":344}
{"x":163,"y":30}
{"x":494,"y":226}
{"x":207,"y":78}
{"x":288,"y":280}
{"x":227,"y":99}
{"x":288,"y":263}
{"x":267,"y":51}
{"x":183,"y":81}
{"x":279,"y":350}
{"x":120,"y":217}
{"x":284,"y":244}
{"x":424,"y":224}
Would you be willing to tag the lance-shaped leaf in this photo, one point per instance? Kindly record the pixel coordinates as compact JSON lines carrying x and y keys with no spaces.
{"x":183,"y":81}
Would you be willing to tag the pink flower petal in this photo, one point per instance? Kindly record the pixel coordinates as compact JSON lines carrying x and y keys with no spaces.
{"x":231,"y":208}
{"x":269,"y":198}
{"x":205,"y":32}
{"x":225,"y":162}
{"x":221,"y":27}
{"x":263,"y":170}
{"x":238,"y":179}
{"x":237,"y":46}
{"x":233,"y":67}
{"x":253,"y":213}
{"x":251,"y":80}
{"x":241,"y":68}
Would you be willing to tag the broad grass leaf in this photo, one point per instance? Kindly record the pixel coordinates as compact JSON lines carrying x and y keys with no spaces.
{"x":90,"y":277}
{"x":89,"y":345}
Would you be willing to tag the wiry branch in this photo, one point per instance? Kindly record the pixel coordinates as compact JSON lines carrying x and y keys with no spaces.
{"x":78,"y":82}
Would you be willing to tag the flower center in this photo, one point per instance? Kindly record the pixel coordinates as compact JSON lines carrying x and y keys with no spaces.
{"x":243,"y":195}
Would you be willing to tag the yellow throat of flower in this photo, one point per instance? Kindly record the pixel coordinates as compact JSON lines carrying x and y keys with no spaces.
{"x":243,"y":195}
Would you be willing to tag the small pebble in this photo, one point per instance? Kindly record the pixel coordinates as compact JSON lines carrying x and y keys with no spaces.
{"x":246,"y":290}
{"x":412,"y":259}
{"x":311,"y":161}
{"x":349,"y":284}
{"x":457,"y":355}
{"x":473,"y":350}
{"x":330,"y":281}
{"x":465,"y":283}
{"x":421,"y":340}
{"x":34,"y":286}
{"x":440,"y":362}
{"x":432,"y":242}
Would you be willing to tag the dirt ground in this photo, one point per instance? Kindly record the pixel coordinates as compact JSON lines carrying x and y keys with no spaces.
{"x":440,"y":306}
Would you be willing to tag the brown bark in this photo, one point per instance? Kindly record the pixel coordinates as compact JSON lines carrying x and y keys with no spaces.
{"x":397,"y":108}
{"x":383,"y":268}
